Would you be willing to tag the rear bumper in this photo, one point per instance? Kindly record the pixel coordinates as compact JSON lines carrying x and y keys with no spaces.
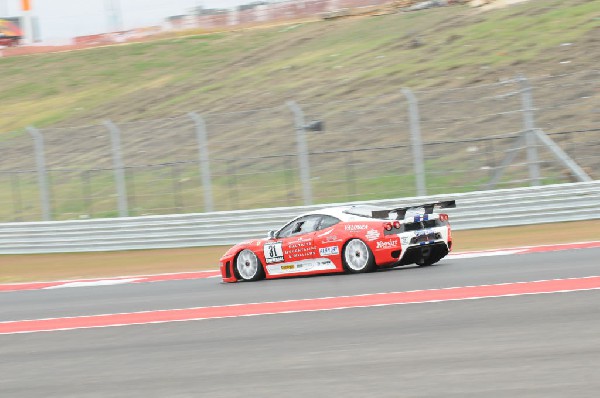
{"x":412,"y":254}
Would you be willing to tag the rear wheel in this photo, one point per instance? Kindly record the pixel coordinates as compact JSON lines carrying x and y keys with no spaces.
{"x":248,"y":266}
{"x":427,"y":262}
{"x":430,"y":256}
{"x":357,"y":257}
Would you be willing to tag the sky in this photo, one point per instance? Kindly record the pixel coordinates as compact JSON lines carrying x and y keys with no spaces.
{"x":62,"y":19}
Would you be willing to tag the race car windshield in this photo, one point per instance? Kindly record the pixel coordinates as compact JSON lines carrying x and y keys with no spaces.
{"x":364,"y":210}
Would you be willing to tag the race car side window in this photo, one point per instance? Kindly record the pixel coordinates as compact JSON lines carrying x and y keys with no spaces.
{"x":327,"y":221}
{"x":300,"y":226}
{"x":287,"y":230}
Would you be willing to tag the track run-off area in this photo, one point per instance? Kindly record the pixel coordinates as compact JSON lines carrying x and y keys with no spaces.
{"x":521,"y":322}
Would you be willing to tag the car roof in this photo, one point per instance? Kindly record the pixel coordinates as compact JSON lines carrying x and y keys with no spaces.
{"x":340,"y":212}
{"x":360,"y":212}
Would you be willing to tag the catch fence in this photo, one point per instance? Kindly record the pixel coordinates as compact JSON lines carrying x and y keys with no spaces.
{"x":373,"y":147}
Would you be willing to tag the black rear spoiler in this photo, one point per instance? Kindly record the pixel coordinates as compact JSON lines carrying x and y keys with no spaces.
{"x":401,"y":211}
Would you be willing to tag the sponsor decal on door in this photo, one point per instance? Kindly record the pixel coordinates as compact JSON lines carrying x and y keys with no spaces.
{"x":329,"y":251}
{"x":372,"y":235}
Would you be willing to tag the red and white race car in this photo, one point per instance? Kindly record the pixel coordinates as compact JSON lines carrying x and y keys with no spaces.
{"x":344,"y":239}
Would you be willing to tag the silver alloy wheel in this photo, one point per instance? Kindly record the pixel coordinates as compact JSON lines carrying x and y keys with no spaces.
{"x":356,"y":254}
{"x":247,"y":265}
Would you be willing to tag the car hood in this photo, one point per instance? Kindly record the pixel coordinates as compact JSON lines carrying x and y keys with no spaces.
{"x":251,"y":244}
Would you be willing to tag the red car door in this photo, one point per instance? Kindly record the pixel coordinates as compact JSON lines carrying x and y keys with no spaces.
{"x":294,"y":244}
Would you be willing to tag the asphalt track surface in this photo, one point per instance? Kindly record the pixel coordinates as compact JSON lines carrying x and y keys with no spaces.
{"x":545,"y":345}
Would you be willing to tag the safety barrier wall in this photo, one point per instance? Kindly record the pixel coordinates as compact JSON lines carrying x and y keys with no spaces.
{"x":481,"y":209}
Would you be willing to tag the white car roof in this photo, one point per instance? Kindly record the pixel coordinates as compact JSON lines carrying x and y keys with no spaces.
{"x":340,"y":212}
{"x":360,"y":212}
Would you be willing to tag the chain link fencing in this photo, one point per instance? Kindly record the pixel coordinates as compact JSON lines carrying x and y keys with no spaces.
{"x":471,"y":138}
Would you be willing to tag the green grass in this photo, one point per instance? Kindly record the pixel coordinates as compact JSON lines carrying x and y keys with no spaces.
{"x":44,"y":89}
{"x":165,"y":191}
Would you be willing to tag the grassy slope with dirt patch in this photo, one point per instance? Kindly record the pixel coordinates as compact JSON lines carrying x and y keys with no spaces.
{"x":325,"y":60}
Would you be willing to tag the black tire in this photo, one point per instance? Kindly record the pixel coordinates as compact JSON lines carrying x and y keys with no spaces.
{"x":428,"y":262}
{"x":431,"y":259}
{"x":248,"y":267}
{"x":357,"y":257}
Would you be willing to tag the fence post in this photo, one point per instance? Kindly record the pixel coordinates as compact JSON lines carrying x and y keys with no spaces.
{"x":562,"y":156}
{"x":119,"y":170}
{"x":416,"y":143}
{"x":529,"y":128}
{"x":303,"y":159}
{"x":42,"y":176}
{"x":302,"y":152}
{"x":203,"y":160}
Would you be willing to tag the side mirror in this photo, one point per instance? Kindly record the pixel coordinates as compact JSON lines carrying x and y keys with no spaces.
{"x":271,"y":234}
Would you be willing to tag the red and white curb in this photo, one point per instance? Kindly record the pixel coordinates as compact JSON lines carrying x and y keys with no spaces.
{"x":11,"y":287}
{"x":307,"y":305}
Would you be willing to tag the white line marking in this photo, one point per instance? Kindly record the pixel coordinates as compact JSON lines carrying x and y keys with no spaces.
{"x":300,"y":311}
{"x":102,"y":282}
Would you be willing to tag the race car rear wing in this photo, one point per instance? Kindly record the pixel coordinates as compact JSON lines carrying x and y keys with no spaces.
{"x":401,"y":211}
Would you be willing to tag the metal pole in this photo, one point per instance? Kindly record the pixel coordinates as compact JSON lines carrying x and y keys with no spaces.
{"x":302,"y":152}
{"x":529,"y":128}
{"x":562,"y":156}
{"x":203,"y":160}
{"x":113,"y":14}
{"x":416,"y":143}
{"x":27,"y":23}
{"x":511,"y":154}
{"x":119,"y":169}
{"x":40,"y":161}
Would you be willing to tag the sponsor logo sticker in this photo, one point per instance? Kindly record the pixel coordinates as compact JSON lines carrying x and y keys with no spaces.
{"x":331,"y":239}
{"x":326,"y":233}
{"x":372,"y":235}
{"x":423,"y":232}
{"x":353,"y":227}
{"x":287,"y":267}
{"x":329,"y":251}
{"x":387,"y":245}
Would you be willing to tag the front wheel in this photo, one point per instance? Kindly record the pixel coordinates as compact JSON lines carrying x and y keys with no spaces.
{"x":357,"y":257}
{"x":248,"y":266}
